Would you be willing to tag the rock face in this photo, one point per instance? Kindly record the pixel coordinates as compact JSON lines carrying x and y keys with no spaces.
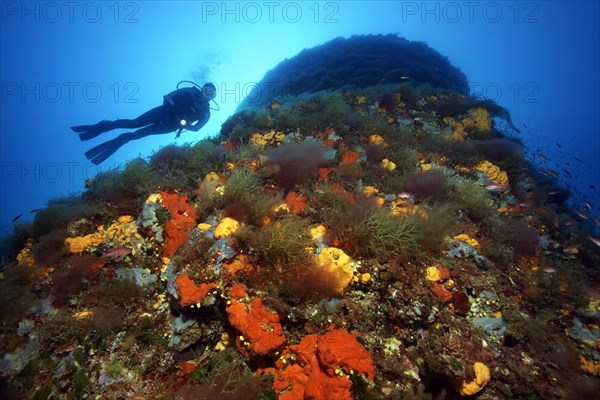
{"x":358,"y":62}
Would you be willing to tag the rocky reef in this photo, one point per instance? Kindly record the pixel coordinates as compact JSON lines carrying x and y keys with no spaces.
{"x":377,"y":242}
{"x":357,"y":62}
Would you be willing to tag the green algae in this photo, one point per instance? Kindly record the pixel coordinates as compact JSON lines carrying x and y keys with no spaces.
{"x":473,"y":199}
{"x":244,"y":188}
{"x":282,"y":242}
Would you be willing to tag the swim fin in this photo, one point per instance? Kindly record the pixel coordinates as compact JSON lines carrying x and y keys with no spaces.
{"x":81,"y":128}
{"x":83,"y":136}
{"x":101,"y":152}
{"x":87,"y":132}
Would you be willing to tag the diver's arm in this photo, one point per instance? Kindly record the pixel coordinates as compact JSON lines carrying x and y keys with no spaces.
{"x":204,"y":116}
{"x":199,"y":124}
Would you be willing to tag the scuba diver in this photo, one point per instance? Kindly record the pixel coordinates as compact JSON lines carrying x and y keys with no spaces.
{"x":179,"y":110}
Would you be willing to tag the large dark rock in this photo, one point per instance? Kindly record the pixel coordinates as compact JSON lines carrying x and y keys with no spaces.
{"x":358,"y":61}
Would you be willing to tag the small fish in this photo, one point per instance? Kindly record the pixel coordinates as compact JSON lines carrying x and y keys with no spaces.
{"x":595,"y":241}
{"x":542,"y":156}
{"x":524,"y":126}
{"x":550,"y":270}
{"x":570,"y":222}
{"x":405,"y":77}
{"x":571,"y":250}
{"x":17,"y":217}
{"x":553,"y":173}
{"x":577,"y":158}
{"x":34,"y":210}
{"x":406,"y":196}
{"x":597,"y":221}
{"x":553,"y":192}
{"x":558,"y":145}
{"x":494,"y":187}
{"x":418,"y":119}
{"x":587,"y":205}
{"x":118,"y":252}
{"x":581,"y":214}
{"x":592,"y":187}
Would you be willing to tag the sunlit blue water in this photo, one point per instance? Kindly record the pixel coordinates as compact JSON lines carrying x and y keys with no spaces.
{"x":72,"y":63}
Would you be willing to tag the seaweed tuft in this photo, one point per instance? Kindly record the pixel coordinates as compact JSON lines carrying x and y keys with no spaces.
{"x":282,"y":242}
{"x":364,"y":230}
{"x":244,"y":189}
{"x":473,"y":199}
{"x":440,"y":221}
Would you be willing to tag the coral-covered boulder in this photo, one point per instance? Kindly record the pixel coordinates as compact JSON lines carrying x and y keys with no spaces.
{"x":482,"y":378}
{"x":260,"y":328}
{"x":339,"y":349}
{"x":83,"y":243}
{"x":337,"y":263}
{"x":290,"y":383}
{"x":184,"y":220}
{"x":188,"y":293}
{"x":227,"y":227}
{"x":322,"y":368}
{"x":237,"y":291}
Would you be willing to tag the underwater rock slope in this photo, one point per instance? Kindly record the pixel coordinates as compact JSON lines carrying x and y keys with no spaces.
{"x":381,"y":242}
{"x":358,"y":61}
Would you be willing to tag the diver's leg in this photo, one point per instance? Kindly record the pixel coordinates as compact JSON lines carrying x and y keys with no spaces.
{"x":101,"y":152}
{"x":87,"y":132}
{"x":153,"y":129}
{"x":153,"y":116}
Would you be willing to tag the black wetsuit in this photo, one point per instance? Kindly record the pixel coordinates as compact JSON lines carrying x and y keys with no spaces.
{"x":186,"y":104}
